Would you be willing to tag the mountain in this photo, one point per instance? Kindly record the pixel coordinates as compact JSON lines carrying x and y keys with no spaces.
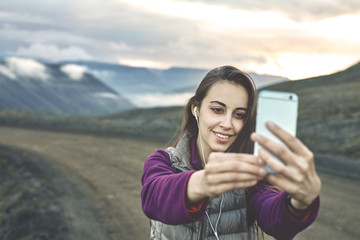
{"x":28,"y":85}
{"x":329,"y":112}
{"x":137,"y":80}
{"x":261,"y":80}
{"x":96,"y":88}
{"x":329,"y":117}
{"x":123,"y":79}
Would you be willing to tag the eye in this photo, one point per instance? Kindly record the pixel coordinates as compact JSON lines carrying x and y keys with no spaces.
{"x":217,"y":109}
{"x":240,"y":115}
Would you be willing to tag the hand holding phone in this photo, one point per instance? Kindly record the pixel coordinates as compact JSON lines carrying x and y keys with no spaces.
{"x":280,"y":108}
{"x":298,"y":176}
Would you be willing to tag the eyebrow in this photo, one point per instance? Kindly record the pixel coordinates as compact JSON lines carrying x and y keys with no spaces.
{"x":224,"y":105}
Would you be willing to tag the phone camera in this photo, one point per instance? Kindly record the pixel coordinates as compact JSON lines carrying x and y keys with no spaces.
{"x":290,"y":97}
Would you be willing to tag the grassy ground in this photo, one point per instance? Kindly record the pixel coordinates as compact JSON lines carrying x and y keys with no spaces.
{"x":29,"y":201}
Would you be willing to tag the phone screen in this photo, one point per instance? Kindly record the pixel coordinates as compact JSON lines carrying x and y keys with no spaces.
{"x":280,"y":108}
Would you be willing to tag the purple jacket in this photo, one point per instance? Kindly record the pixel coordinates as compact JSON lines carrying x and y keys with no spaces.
{"x":164,"y":199}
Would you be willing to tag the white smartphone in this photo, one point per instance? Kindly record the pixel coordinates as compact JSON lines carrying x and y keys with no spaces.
{"x":280,"y":108}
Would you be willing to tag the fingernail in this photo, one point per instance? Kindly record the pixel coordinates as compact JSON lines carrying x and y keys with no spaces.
{"x":262,"y":171}
{"x":261,"y":151}
{"x":271,"y":124}
{"x":256,"y":136}
{"x":253,"y":182}
{"x":261,"y":162}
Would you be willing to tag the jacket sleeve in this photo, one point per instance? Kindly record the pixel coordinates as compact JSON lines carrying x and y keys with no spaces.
{"x":163,"y":193}
{"x":269,"y":207}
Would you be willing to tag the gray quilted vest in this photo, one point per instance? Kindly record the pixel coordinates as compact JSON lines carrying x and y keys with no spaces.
{"x":233,"y":220}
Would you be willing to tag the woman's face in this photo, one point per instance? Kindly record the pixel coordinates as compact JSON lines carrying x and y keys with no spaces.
{"x":221,"y":116}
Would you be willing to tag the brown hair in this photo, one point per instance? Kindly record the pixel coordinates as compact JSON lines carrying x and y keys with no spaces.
{"x":225,"y":73}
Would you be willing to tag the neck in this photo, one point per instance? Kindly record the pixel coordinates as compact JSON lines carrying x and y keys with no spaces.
{"x":203,"y":152}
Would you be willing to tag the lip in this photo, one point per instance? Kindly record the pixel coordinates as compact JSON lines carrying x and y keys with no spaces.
{"x":220,"y":139}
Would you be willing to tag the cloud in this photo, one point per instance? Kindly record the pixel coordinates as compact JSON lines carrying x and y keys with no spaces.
{"x":239,"y":36}
{"x":143,"y":63}
{"x":75,"y":72}
{"x":298,"y":10}
{"x":107,"y":95}
{"x":53,"y":52}
{"x":157,"y":99}
{"x":24,"y":68}
{"x":202,"y":34}
{"x":19,"y":17}
{"x":7,"y":72}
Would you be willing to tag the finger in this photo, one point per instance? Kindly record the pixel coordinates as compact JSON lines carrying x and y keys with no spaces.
{"x":277,"y":148}
{"x":281,"y":182}
{"x":223,"y":157}
{"x":239,"y":185}
{"x":217,"y":190}
{"x":273,"y":162}
{"x":236,"y":167}
{"x":288,"y":174}
{"x":249,"y":158}
{"x":218,"y":179}
{"x":291,"y":141}
{"x":285,"y":174}
{"x":241,"y":157}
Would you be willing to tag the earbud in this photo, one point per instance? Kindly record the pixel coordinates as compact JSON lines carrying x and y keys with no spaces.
{"x":201,"y":144}
{"x":195,"y":114}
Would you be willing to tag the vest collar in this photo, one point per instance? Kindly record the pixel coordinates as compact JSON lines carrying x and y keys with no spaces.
{"x":195,"y":159}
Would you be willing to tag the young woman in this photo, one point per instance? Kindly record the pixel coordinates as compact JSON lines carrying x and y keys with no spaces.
{"x":211,"y":186}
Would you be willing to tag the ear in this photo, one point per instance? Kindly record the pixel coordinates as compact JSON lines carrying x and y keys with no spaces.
{"x":192,"y":109}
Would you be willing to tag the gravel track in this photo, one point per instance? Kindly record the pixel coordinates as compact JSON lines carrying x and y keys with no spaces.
{"x":99,"y":178}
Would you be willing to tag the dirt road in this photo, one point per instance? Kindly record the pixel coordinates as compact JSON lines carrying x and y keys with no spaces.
{"x":107,"y":170}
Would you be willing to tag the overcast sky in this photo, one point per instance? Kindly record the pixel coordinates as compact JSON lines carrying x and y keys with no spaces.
{"x":294,"y":39}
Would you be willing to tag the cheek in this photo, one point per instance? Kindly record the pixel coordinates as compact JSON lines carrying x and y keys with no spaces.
{"x":210,"y":121}
{"x":238,"y":126}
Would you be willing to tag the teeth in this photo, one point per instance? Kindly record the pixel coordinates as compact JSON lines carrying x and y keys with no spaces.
{"x":221,"y":136}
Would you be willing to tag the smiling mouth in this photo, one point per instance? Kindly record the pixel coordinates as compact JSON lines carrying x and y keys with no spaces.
{"x":223,"y":136}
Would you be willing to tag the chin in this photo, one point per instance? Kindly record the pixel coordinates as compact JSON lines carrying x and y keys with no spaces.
{"x":222,"y":148}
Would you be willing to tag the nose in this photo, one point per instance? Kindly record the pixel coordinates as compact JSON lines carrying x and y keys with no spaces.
{"x":226,"y":121}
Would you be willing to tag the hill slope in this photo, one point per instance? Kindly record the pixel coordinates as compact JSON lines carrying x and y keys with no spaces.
{"x":329,"y":116}
{"x":329,"y":111}
{"x":28,"y":85}
{"x":138,"y":80}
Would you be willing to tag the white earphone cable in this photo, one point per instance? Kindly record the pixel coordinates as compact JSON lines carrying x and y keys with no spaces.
{"x":217,"y":221}
{"x":202,"y":148}
{"x":222,"y":199}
